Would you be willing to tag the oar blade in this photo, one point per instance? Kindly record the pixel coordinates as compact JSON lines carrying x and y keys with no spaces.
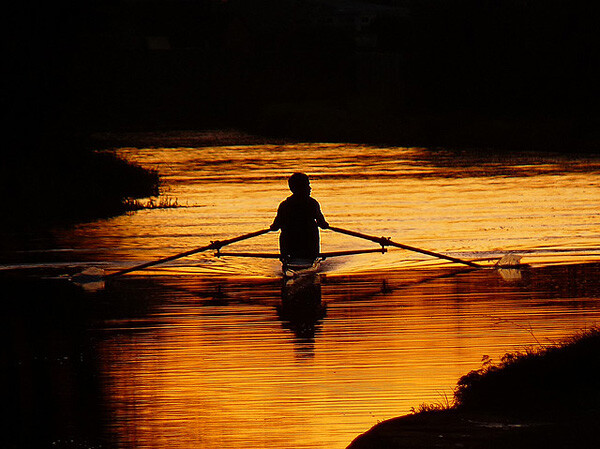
{"x":509,"y":260}
{"x":90,"y":279}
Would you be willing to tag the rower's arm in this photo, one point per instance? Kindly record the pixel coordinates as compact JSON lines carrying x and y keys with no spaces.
{"x":276,"y":225}
{"x":320,"y":218}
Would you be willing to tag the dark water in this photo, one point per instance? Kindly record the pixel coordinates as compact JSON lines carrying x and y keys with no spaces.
{"x":221,"y":353}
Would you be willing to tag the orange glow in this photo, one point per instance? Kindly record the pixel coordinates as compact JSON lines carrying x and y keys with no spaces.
{"x":215,"y":363}
{"x":546,"y":210}
{"x":233,"y":375}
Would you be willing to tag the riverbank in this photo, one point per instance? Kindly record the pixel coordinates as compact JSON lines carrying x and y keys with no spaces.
{"x":539,"y":398}
{"x":64,"y":187}
{"x":370,"y":123}
{"x":67,"y":183}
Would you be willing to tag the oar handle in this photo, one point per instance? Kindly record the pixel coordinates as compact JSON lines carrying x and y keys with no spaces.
{"x":384,"y":241}
{"x":213,"y":245}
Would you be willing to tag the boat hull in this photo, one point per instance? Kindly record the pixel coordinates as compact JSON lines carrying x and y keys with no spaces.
{"x":293,"y":268}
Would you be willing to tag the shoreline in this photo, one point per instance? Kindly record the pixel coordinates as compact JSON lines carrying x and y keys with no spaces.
{"x":315,"y":123}
{"x":62,"y":315}
{"x":453,"y":130}
{"x":68,"y":187}
{"x":540,"y":398}
{"x":453,"y":429}
{"x":66,"y":183}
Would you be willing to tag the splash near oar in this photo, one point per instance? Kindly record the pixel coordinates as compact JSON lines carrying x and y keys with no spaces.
{"x":385,"y":241}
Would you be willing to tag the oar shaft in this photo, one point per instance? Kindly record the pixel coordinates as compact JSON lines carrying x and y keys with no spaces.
{"x":383,"y":241}
{"x":214,"y":245}
{"x":351,"y":252}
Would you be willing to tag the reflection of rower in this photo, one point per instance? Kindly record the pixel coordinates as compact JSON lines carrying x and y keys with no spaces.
{"x":301,"y":309}
{"x":299,"y":217}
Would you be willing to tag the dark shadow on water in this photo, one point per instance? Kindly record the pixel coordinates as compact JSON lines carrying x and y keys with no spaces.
{"x":54,"y":329}
{"x":53,"y":389}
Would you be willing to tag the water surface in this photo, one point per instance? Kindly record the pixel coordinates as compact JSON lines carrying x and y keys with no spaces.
{"x":218,"y":352}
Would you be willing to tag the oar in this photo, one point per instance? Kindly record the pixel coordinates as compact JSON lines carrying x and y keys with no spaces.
{"x":214,"y":245}
{"x":384,"y":241}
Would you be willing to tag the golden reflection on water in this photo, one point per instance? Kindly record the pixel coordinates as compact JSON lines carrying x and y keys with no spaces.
{"x":218,"y":363}
{"x":215,"y":364}
{"x":544,"y":208}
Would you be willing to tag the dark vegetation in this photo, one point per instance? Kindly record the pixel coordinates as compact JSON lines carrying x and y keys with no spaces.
{"x":484,"y":74}
{"x":61,"y":188}
{"x":540,"y":382}
{"x":546,"y":397}
{"x":515,"y":74}
{"x":132,"y":204}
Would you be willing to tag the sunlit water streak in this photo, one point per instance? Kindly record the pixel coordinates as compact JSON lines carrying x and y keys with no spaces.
{"x":219,"y":364}
{"x":464,"y":206}
{"x":218,"y":360}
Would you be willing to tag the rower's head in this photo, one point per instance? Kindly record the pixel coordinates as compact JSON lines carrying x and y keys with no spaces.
{"x":299,"y":184}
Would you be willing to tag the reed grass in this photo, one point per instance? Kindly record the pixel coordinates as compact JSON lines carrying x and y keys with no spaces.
{"x":71,"y":186}
{"x":543,"y":379}
{"x":132,"y":204}
{"x":426,"y":407}
{"x":546,"y":379}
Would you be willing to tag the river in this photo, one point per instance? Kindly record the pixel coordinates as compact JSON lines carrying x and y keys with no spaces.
{"x":216,"y":353}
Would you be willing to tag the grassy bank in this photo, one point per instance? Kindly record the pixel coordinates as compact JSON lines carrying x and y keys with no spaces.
{"x":53,"y":187}
{"x":537,"y":382}
{"x":547,"y":397}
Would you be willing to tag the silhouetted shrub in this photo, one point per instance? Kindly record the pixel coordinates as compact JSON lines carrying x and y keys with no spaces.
{"x":537,"y":380}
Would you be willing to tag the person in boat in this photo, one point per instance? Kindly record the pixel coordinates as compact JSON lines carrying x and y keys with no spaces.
{"x":299,"y":217}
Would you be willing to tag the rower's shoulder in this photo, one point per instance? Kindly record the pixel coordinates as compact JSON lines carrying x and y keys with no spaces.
{"x":314,"y":202}
{"x":287,"y":201}
{"x":298,"y":202}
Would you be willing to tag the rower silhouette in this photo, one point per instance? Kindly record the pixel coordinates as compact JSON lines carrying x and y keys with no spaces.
{"x":299,"y":217}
